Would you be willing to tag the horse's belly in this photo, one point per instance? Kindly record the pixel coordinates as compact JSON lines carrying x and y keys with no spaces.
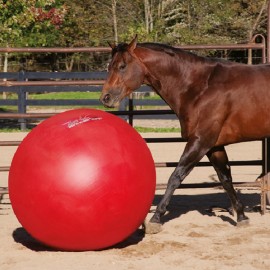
{"x":248,"y":127}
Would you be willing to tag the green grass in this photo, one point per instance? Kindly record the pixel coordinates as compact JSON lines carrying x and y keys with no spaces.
{"x":59,"y":95}
{"x":11,"y":130}
{"x":56,"y":96}
{"x":69,"y":95}
{"x":9,"y":96}
{"x":66,"y":95}
{"x":79,"y":95}
{"x":157,"y":130}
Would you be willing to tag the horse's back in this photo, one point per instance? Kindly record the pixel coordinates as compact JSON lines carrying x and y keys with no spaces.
{"x":245,"y":91}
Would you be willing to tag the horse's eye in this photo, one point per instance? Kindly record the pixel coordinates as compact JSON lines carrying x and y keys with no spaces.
{"x":122,"y":66}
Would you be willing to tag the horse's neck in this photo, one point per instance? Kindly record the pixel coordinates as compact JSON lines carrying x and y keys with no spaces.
{"x":169,"y":75}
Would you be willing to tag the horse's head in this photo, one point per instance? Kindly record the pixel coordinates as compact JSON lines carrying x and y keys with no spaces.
{"x":126,"y":74}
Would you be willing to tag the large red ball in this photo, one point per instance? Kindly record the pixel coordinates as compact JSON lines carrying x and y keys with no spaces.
{"x":82,"y":180}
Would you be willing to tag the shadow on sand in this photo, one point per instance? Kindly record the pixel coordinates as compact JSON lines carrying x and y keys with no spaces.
{"x":208,"y":204}
{"x":179,"y":205}
{"x":20,"y":235}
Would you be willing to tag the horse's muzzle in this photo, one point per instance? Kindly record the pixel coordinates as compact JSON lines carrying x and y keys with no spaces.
{"x":107,"y":101}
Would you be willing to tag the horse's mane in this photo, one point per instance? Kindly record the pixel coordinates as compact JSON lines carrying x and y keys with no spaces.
{"x":121,"y":47}
{"x":159,"y":47}
{"x":174,"y":51}
{"x":170,"y":50}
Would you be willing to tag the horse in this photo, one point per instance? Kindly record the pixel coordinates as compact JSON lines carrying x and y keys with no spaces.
{"x":218,"y":102}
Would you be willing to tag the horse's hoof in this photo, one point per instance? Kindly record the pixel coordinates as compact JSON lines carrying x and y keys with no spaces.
{"x":243,"y":223}
{"x":152,"y":228}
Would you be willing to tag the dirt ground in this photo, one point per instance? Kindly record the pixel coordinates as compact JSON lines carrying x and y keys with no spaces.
{"x":198,"y":233}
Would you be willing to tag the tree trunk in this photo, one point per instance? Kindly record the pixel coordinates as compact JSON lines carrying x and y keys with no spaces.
{"x":69,"y":64}
{"x":151,"y":23}
{"x":115,"y":27}
{"x":146,"y":15}
{"x":253,"y":29}
{"x":5,"y":70}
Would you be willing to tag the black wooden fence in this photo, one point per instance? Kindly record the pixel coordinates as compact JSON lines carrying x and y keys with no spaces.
{"x":22,"y":83}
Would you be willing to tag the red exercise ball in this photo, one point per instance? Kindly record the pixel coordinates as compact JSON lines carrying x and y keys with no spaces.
{"x":82,"y":180}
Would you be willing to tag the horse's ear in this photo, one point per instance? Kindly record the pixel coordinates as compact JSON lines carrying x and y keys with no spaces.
{"x":112,"y":45}
{"x":132,"y":45}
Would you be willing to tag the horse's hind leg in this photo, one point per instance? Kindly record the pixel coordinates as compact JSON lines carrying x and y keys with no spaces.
{"x":218,"y":158}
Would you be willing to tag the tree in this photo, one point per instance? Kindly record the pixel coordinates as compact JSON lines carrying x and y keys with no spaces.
{"x":84,"y":23}
{"x":251,"y":17}
{"x":212,"y":21}
{"x":95,"y":22}
{"x":30,"y":22}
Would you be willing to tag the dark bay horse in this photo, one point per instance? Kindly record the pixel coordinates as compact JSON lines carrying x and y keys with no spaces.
{"x":217,"y":103}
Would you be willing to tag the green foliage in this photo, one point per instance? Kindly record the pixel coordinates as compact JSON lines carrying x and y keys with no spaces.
{"x":85,"y":23}
{"x":210,"y":21}
{"x":30,"y":22}
{"x":90,"y":23}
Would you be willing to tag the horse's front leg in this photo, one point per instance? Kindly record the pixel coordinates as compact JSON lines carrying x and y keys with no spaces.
{"x":193,"y":153}
{"x":218,"y":158}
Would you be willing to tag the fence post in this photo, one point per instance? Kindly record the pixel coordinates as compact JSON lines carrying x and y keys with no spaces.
{"x":123,"y":107}
{"x":266,"y":166}
{"x":130,"y":109}
{"x":22,"y":99}
{"x":127,"y":104}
